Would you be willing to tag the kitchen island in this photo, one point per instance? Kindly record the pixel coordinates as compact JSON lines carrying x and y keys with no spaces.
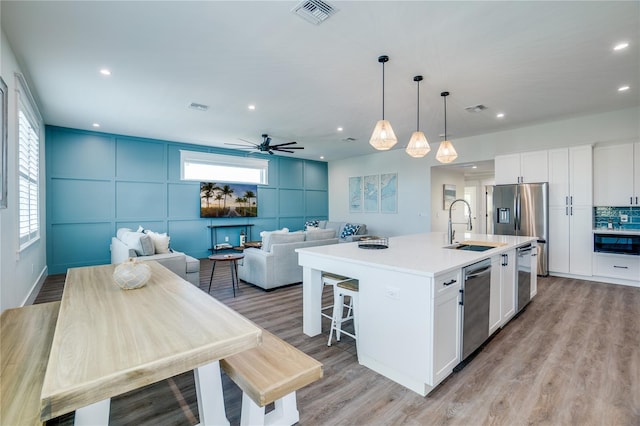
{"x":409,"y":317}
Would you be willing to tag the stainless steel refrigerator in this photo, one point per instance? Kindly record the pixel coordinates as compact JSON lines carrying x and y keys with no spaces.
{"x":523,"y":209}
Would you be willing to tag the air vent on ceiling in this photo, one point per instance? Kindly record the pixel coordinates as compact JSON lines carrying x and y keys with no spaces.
{"x":314,"y":11}
{"x":475,"y":108}
{"x":199,"y":107}
{"x":349,"y":139}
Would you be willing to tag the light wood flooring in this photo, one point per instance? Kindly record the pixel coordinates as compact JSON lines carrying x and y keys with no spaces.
{"x":571,"y":358}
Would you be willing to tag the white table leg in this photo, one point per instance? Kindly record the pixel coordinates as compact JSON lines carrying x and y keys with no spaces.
{"x":311,"y":301}
{"x":209,"y":393}
{"x":94,"y":414}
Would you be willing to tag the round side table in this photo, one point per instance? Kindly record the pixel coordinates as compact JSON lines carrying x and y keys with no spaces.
{"x":233,"y":263}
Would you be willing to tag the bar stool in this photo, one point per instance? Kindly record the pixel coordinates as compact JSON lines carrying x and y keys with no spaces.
{"x":330,"y":279}
{"x":350,"y":289}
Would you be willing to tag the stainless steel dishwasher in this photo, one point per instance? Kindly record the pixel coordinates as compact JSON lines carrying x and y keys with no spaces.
{"x":523,"y":278}
{"x":475,"y":293}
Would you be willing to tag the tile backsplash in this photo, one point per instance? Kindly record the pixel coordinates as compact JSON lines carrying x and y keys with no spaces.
{"x":601,"y":216}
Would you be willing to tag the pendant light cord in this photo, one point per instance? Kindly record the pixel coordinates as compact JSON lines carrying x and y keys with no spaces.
{"x":445,"y":118}
{"x":383,"y":90}
{"x":418,"y":109}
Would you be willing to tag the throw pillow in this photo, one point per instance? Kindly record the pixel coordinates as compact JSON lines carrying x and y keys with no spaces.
{"x":160,"y":242}
{"x":349,"y":229}
{"x":121,"y":231}
{"x":310,"y":224}
{"x":141,"y":243}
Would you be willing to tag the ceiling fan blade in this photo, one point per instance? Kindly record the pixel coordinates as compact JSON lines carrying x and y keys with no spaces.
{"x":284,"y":150}
{"x":240,"y":144}
{"x":290,"y":147}
{"x":283,"y":144}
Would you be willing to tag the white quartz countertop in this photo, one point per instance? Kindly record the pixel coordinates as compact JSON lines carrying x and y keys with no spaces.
{"x":616,"y":231}
{"x":422,"y":254}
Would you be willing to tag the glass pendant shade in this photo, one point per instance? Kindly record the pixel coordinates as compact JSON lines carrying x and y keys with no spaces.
{"x":383,"y":137}
{"x":418,"y":145}
{"x":446,"y":152}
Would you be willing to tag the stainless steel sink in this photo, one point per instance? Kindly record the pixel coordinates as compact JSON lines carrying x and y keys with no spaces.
{"x":469,"y":247}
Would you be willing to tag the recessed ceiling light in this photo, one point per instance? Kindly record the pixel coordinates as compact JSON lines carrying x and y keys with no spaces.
{"x":339,"y":129}
{"x":96,"y":124}
{"x":621,"y":46}
{"x":105,"y":71}
{"x":322,"y":157}
{"x":500,"y":115}
{"x":252,"y":107}
{"x":623,"y":88}
{"x":474,"y":167}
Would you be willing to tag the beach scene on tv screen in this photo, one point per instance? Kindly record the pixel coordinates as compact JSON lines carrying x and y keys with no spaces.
{"x":228,"y":200}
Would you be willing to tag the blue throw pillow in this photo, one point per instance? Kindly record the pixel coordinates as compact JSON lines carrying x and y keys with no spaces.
{"x":349,"y":229}
{"x":311,"y":224}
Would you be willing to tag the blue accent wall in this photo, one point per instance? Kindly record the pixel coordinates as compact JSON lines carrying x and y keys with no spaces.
{"x":97,"y":183}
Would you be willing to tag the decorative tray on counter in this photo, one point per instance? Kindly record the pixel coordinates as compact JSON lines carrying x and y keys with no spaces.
{"x":373,"y":243}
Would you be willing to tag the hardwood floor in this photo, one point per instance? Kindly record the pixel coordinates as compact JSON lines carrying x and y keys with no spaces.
{"x":571,"y":358}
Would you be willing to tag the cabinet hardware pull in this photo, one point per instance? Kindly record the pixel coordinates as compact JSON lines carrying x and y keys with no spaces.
{"x":636,"y":200}
{"x":505,"y":260}
{"x":571,"y":200}
{"x":620,"y":267}
{"x":534,"y":254}
{"x":630,"y":200}
{"x":461,"y":302}
{"x":571,"y":211}
{"x":566,"y":211}
{"x":450,"y":282}
{"x":566,"y":200}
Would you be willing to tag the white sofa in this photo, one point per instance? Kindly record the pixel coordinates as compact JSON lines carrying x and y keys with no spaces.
{"x":276,"y":263}
{"x":125,"y":245}
{"x":340,"y":229}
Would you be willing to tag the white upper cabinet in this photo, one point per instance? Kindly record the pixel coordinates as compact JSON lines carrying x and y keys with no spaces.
{"x":616,"y":170}
{"x":526,"y":167}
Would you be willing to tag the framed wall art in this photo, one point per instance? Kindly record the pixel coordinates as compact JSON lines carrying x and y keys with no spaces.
{"x":389,"y":193}
{"x":355,"y":194}
{"x":448,"y":195}
{"x":370,"y":192}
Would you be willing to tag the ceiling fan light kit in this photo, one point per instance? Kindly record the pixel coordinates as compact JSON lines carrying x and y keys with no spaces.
{"x":446,"y":152}
{"x":418,"y":144}
{"x":383,"y":137}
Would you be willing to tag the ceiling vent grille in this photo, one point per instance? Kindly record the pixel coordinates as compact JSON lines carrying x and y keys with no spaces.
{"x":475,"y":108}
{"x":314,"y":11}
{"x":199,"y":107}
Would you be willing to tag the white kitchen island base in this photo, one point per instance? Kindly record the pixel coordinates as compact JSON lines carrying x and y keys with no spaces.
{"x":409,"y":322}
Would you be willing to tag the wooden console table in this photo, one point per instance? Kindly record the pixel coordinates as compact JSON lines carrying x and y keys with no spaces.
{"x":214,"y":233}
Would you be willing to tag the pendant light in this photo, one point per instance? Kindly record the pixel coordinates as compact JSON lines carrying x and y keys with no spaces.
{"x":418,"y":144}
{"x":383,"y":137}
{"x":446,"y":152}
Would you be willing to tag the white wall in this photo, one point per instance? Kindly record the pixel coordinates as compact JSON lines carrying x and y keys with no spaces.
{"x":21,"y":273}
{"x":414,"y":175}
{"x":440,"y":215}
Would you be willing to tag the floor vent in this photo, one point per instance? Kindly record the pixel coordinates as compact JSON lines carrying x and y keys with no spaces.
{"x":314,"y":11}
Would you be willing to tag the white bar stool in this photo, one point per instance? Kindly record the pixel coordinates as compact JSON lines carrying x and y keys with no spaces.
{"x":330,"y":279}
{"x":350,"y":289}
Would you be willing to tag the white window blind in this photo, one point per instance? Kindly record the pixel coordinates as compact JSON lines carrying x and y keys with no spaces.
{"x":28,"y":167}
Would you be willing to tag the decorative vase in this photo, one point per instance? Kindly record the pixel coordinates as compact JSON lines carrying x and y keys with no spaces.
{"x":131,"y":274}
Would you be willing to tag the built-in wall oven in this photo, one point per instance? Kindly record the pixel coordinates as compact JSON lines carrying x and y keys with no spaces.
{"x":616,"y":243}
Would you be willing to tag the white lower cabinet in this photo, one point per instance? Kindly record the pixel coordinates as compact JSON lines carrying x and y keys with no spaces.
{"x":620,"y":266}
{"x":446,"y":326}
{"x":502,"y":302}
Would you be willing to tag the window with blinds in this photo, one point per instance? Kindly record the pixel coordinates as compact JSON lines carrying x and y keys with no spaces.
{"x":28,"y":176}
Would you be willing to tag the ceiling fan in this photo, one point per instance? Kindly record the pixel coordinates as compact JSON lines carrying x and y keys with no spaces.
{"x":266,"y":146}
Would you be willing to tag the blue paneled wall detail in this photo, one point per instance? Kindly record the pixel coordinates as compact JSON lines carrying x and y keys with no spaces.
{"x":97,"y":183}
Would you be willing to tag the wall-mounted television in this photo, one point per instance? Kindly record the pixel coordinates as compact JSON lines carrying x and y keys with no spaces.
{"x":228,"y":200}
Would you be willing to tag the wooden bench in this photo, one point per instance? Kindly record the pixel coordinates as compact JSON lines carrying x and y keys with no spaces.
{"x":271,"y":372}
{"x":25,"y":341}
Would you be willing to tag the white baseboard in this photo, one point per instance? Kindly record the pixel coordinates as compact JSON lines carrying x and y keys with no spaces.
{"x":37,"y":286}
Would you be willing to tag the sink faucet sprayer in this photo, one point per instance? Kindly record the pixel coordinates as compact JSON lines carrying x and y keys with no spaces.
{"x":450,"y":231}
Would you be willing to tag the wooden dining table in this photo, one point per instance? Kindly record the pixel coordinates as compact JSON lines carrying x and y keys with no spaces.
{"x":109,"y":341}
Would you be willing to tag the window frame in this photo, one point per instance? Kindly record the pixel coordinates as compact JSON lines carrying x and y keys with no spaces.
{"x":26,"y":106}
{"x":224,"y":161}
